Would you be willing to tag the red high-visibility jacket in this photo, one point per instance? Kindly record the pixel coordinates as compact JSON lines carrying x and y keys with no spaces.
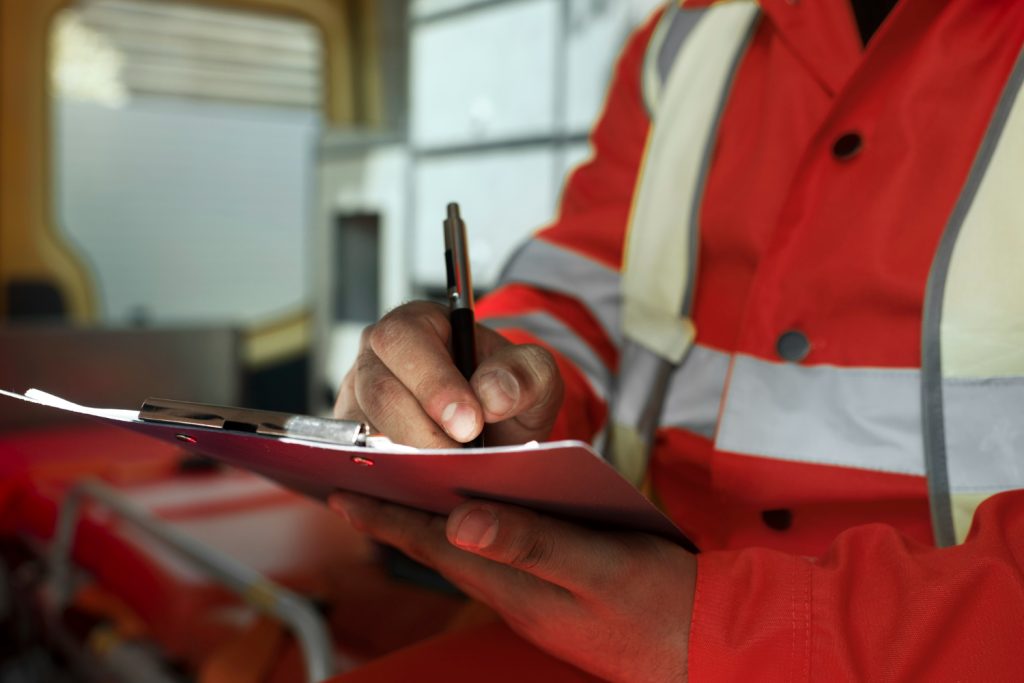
{"x":813,"y":569}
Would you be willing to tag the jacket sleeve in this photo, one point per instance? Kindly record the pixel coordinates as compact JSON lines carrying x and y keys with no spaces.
{"x":876,"y":607}
{"x":560,"y":289}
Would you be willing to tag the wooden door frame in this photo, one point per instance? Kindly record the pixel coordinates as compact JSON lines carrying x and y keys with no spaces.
{"x":31,"y":246}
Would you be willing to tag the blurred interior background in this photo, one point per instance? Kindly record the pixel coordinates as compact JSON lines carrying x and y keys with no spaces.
{"x":245,"y":184}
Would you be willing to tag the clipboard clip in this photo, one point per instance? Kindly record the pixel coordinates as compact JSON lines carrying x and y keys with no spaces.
{"x":265,"y":422}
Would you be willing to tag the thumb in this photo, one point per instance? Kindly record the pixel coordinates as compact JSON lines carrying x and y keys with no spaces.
{"x":520,"y":391}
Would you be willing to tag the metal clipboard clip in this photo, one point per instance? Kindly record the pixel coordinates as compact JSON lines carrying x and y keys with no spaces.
{"x":265,"y":422}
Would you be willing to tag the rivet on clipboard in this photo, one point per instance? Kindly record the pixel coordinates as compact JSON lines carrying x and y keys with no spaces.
{"x":360,"y":460}
{"x":185,"y":437}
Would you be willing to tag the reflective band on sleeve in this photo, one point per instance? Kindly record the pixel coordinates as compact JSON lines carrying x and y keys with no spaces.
{"x":868,"y":418}
{"x":553,"y":331}
{"x":694,"y":393}
{"x":547,"y":266}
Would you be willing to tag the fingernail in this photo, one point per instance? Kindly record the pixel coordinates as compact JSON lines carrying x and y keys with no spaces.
{"x":459,"y":420}
{"x":477,"y":530}
{"x":499,"y":391}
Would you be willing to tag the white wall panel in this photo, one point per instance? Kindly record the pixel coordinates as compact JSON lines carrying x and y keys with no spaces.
{"x":641,"y":10}
{"x":188,"y":211}
{"x":488,"y":74}
{"x":596,"y":31}
{"x":426,"y":8}
{"x":504,"y":196}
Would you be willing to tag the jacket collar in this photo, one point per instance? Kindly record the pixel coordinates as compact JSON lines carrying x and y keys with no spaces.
{"x":822,"y":33}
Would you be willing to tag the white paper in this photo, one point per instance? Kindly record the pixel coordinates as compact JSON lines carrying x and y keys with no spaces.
{"x":44,"y":399}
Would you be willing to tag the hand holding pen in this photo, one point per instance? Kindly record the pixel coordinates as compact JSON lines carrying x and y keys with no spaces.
{"x":414,"y":380}
{"x":460,"y":298}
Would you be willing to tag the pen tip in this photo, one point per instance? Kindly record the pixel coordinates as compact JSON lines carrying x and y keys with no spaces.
{"x":453,"y":211}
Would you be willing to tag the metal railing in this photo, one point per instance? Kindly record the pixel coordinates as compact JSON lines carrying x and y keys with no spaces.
{"x":257,"y":590}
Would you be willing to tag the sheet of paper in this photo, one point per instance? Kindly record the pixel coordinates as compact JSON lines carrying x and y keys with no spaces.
{"x":42,"y":398}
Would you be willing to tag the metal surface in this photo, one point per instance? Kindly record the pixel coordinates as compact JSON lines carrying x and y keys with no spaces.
{"x":257,"y":590}
{"x":456,"y":249}
{"x":266,"y":422}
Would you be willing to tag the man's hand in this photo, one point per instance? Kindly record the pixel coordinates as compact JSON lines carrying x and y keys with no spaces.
{"x":615,"y":604}
{"x":405,"y":384}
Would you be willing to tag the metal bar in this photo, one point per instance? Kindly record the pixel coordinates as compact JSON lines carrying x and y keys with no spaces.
{"x":256,"y":589}
{"x":419,"y":19}
{"x":545,"y":141}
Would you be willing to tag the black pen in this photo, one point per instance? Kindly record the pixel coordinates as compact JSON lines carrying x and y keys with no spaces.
{"x":460,"y":298}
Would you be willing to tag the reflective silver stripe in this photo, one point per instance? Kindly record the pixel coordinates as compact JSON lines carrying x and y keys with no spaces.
{"x":692,"y":396}
{"x":659,"y":261}
{"x":640,"y":388}
{"x":868,"y":418}
{"x":653,"y":393}
{"x":544,"y":265}
{"x":640,"y":391}
{"x":553,"y":331}
{"x":670,"y":33}
{"x":683,"y":21}
{"x":985,"y":419}
{"x":694,"y":393}
{"x":939,"y":440}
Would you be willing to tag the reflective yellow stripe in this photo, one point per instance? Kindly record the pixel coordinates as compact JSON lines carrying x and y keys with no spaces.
{"x":661,"y":245}
{"x":983,"y":307}
{"x":974,"y":331}
{"x":963,"y":506}
{"x":669,"y":35}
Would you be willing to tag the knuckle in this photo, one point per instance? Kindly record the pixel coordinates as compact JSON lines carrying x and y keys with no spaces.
{"x":385,"y":333}
{"x":417,"y":548}
{"x":402,"y":327}
{"x":421,"y":540}
{"x":377,"y":393}
{"x":427,"y":388}
{"x":541,"y":362}
{"x":530,"y":552}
